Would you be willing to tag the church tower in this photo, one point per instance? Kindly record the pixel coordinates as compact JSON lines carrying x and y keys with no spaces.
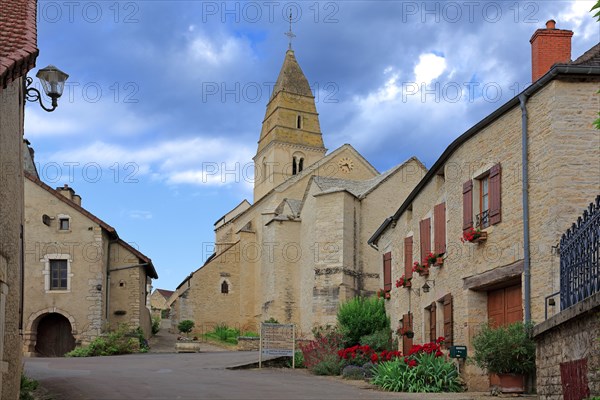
{"x":291,"y":138}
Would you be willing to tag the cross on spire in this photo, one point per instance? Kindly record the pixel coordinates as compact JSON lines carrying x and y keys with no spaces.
{"x":289,"y":33}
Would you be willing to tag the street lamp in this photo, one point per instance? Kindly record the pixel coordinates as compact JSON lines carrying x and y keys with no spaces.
{"x":426,"y":287}
{"x":53,"y":82}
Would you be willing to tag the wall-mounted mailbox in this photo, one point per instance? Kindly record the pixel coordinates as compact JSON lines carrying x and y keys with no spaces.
{"x":458,"y":351}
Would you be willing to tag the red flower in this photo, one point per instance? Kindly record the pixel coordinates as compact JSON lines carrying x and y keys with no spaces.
{"x":374,"y":357}
{"x":441,"y":339}
{"x":439,"y":353}
{"x":412,"y":363}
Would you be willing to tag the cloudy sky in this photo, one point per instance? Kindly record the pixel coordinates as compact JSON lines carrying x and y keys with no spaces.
{"x":163,"y":108}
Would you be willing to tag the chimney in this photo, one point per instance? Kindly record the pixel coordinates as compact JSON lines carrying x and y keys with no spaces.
{"x":69,"y":193}
{"x":548,"y":47}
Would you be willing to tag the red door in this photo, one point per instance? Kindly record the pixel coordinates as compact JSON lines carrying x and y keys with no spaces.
{"x":505,"y":306}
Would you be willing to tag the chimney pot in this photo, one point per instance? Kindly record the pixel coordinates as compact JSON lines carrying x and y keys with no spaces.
{"x":551,"y":24}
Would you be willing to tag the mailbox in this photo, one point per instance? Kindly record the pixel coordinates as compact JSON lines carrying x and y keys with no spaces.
{"x":458,"y":351}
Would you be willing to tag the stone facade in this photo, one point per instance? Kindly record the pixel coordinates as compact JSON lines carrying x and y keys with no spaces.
{"x":564,"y":174}
{"x":107,"y":280}
{"x":300,"y":249}
{"x":568,"y":336}
{"x":159,"y":301}
{"x":11,"y":224}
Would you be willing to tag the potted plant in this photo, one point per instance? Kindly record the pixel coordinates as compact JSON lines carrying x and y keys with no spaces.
{"x":430,"y":259}
{"x":507,"y":353}
{"x":421,"y":269}
{"x":184,"y":344}
{"x":408,"y":332}
{"x":403,"y":282}
{"x":439,"y":260}
{"x":473,"y":235}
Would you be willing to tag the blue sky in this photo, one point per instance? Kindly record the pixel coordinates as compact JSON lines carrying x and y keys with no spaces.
{"x":163,"y":108}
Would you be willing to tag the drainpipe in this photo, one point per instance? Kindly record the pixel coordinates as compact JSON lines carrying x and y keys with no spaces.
{"x":525,"y":199}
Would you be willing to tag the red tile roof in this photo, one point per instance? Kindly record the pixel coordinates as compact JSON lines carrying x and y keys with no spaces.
{"x":18,"y":39}
{"x":165,"y":293}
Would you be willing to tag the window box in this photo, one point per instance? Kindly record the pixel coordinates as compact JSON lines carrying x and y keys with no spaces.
{"x":473,"y":235}
{"x":439,"y":261}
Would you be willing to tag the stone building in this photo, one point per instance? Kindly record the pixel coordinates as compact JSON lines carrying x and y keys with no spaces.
{"x":18,"y":52}
{"x":521,"y":176}
{"x":81,"y":278}
{"x":300,"y":248}
{"x":159,"y":301}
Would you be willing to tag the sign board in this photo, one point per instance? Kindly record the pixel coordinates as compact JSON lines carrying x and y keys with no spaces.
{"x":458,"y":351}
{"x":277,"y":340}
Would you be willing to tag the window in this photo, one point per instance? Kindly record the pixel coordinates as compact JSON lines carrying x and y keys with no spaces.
{"x":299,"y":122}
{"x":489,"y":199}
{"x":63,"y":224}
{"x":294,"y":166}
{"x":425,"y":237}
{"x":439,"y":228}
{"x":301,"y":165}
{"x":224,"y":287}
{"x":58,"y":274}
{"x":408,"y":262}
{"x":387,"y":271}
{"x":431,"y":310}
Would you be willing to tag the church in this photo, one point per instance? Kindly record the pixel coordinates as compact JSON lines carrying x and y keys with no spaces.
{"x":300,"y":248}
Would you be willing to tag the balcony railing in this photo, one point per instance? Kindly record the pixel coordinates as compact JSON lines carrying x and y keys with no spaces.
{"x":482,"y":220}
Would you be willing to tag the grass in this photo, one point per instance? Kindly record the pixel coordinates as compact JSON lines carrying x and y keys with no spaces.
{"x":223,"y":334}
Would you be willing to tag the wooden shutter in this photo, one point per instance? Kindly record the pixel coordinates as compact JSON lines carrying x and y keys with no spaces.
{"x":467,"y":204}
{"x":425,"y":234}
{"x":448,"y":332}
{"x":495,"y":194}
{"x":406,"y":342}
{"x":439,"y":228}
{"x":387,"y":271}
{"x":408,"y":253}
{"x":432,"y":321}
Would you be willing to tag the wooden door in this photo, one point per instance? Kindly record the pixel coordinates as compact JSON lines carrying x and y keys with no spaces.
{"x":54,"y":337}
{"x":505,"y":306}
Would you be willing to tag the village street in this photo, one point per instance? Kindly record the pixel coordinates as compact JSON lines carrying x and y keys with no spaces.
{"x":195,"y":376}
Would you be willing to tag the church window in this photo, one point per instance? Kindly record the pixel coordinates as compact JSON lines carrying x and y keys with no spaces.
{"x":299,"y":122}
{"x":224,"y":287}
{"x":301,"y":165}
{"x":294,"y":166}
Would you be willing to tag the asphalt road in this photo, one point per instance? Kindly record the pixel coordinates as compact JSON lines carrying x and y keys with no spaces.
{"x":193,"y":376}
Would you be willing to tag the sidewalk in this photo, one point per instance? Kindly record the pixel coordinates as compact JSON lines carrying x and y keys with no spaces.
{"x":164,"y":342}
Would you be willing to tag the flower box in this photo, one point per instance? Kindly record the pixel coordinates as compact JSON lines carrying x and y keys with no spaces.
{"x":482,"y":238}
{"x":439,"y":261}
{"x":508,"y":383}
{"x":187,"y":347}
{"x":472,"y":235}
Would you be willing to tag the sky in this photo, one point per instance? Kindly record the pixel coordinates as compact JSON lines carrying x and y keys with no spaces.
{"x":163,"y":107}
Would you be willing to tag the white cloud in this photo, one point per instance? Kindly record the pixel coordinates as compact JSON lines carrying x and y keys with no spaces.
{"x":215,"y":52}
{"x":140,"y":214}
{"x":578,"y":15}
{"x":430,"y":67}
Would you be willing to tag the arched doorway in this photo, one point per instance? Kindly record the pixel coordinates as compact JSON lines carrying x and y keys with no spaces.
{"x":54,"y":336}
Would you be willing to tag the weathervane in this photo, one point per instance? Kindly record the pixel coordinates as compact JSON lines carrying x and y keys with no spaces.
{"x":290,"y":34}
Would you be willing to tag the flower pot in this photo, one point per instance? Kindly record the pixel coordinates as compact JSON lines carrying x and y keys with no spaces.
{"x":482,"y":238}
{"x":187,"y":347}
{"x":439,"y":261}
{"x":508,"y":383}
{"x":424,"y":272}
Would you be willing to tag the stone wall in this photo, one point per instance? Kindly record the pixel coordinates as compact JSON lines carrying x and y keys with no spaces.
{"x":568,"y":336}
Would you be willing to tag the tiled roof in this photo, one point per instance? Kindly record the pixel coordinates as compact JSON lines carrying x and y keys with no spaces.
{"x":291,"y":78}
{"x":18,"y":39}
{"x":165,"y":293}
{"x":590,"y":57}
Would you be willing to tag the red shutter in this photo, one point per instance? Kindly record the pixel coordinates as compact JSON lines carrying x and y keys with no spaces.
{"x":406,"y":342}
{"x":387,"y":271}
{"x":432,"y":320}
{"x":439,"y":228}
{"x":425,"y":230}
{"x":408,"y":254}
{"x":448,"y":320}
{"x":467,"y":204}
{"x":495,"y":194}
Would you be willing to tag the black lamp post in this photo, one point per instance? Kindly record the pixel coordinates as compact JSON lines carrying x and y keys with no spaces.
{"x":53,"y":81}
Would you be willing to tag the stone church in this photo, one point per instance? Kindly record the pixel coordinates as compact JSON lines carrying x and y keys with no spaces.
{"x":300,"y":249}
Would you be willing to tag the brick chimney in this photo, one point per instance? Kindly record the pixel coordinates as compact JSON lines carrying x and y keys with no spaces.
{"x":548,"y":47}
{"x":69,"y":193}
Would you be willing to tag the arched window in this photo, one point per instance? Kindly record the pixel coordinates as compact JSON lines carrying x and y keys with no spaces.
{"x":294,"y":166}
{"x":224,"y":287}
{"x":301,"y":165}
{"x":299,"y":122}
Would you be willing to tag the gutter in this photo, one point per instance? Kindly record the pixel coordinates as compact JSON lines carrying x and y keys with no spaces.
{"x":555,"y":71}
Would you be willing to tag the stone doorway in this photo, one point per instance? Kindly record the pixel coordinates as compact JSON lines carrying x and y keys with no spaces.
{"x":54,"y":336}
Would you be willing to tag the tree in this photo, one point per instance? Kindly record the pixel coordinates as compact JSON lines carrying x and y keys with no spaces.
{"x":186,"y":326}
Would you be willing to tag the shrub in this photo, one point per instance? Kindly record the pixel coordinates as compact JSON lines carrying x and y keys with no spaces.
{"x":120,"y":341}
{"x":505,"y":349}
{"x":186,"y":326}
{"x":298,"y":360}
{"x":425,"y":369}
{"x":353,"y":372}
{"x":361,"y":317}
{"x":271,"y":321}
{"x":155,"y":325}
{"x":380,"y":340}
{"x":27,"y":387}
{"x":225,"y":334}
{"x":321,"y":355}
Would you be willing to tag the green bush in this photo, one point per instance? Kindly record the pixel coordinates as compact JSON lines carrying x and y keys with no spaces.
{"x":505,"y":349}
{"x":320,"y":356}
{"x":298,"y":360}
{"x":155,"y":325}
{"x":360,"y":317}
{"x":186,"y":326}
{"x":427,"y":374}
{"x":27,"y":387}
{"x":120,"y":341}
{"x":330,"y":364}
{"x":353,"y":372}
{"x":225,"y":334}
{"x":271,"y":321}
{"x":380,"y":340}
